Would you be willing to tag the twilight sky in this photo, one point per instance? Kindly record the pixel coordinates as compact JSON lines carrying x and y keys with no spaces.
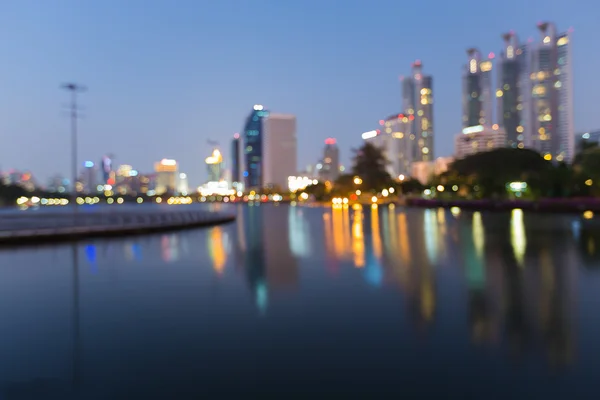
{"x":166,"y":76}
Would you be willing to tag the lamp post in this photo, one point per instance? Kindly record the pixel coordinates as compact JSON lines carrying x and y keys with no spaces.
{"x":74,"y":88}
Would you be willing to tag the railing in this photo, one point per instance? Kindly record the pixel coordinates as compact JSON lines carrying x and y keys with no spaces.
{"x":111,"y":223}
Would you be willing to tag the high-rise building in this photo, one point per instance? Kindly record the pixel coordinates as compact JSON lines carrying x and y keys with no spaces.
{"x":417,"y":98}
{"x":552,"y":128}
{"x":400,"y":143}
{"x":236,"y":178}
{"x":183,"y":187}
{"x":214,"y":166}
{"x":253,"y":148}
{"x":513,"y":91}
{"x":166,"y":176}
{"x":89,"y":177}
{"x":279,"y":150}
{"x":330,"y":165}
{"x":477,"y":90}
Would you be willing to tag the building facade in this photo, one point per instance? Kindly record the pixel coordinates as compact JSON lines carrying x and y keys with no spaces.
{"x":166,"y":176}
{"x":236,"y":171}
{"x":477,"y":90}
{"x":477,"y":139}
{"x":330,"y":165}
{"x":279,"y":150}
{"x":253,"y":161}
{"x":214,"y":166}
{"x":552,"y":128}
{"x":417,"y":103}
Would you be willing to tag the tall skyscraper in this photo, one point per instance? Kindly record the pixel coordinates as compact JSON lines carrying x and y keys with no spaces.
{"x":280,"y":150}
{"x":214,"y":166}
{"x":552,"y":128}
{"x":89,"y":177}
{"x":166,"y":176}
{"x":513,"y":91}
{"x":235,"y":162}
{"x":253,"y":148}
{"x":417,"y":96}
{"x":477,"y":90}
{"x":330,"y":165}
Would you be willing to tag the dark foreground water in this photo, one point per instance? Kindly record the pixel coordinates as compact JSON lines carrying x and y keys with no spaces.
{"x":310,"y":302}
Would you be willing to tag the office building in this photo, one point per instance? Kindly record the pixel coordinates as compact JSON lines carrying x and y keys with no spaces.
{"x":279,"y":150}
{"x":253,"y":148}
{"x":477,"y":139}
{"x":166,"y":176}
{"x":417,"y":103}
{"x":552,"y":128}
{"x":89,"y":177}
{"x":513,"y":92}
{"x":330,"y":165}
{"x":214,"y":166}
{"x":236,"y":171}
{"x":183,"y":187}
{"x":477,"y":90}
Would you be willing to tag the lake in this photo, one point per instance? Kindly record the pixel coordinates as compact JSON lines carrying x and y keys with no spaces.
{"x":310,"y":301}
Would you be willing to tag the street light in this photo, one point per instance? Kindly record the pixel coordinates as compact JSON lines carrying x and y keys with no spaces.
{"x":74,"y":88}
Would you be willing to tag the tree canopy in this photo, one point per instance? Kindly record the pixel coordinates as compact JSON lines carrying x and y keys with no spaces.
{"x":370,"y":165}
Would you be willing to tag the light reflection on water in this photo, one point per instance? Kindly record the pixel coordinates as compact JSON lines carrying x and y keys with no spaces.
{"x":432,"y":285}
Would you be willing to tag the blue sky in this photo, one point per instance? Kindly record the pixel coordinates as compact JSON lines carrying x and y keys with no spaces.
{"x":165,"y":76}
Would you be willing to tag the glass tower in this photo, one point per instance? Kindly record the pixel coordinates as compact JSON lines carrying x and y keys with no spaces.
{"x":253,"y":148}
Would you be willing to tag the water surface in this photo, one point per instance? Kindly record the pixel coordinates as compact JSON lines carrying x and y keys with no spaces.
{"x":311,"y":301}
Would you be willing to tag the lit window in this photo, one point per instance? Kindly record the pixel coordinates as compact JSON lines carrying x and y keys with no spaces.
{"x":548,"y":157}
{"x":558,"y":85}
{"x":542,"y":131}
{"x":520,"y":129}
{"x":499,"y":93}
{"x":473,"y":66}
{"x":425,"y":150}
{"x":562,"y":41}
{"x":510,"y":52}
{"x":547,"y":40}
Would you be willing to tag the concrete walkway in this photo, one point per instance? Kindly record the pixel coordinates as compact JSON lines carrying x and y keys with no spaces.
{"x":46,"y":227}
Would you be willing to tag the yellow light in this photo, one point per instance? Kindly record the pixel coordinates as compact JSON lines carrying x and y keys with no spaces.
{"x":588,"y":214}
{"x":520,"y":129}
{"x":521,"y":146}
{"x":548,"y":157}
{"x":455,"y":211}
{"x":562,"y":41}
{"x":374,"y":199}
{"x":120,"y":200}
{"x":140,"y":200}
{"x":392,"y":190}
{"x":345,"y":200}
{"x":401,"y":177}
{"x":80,"y":201}
{"x":385,"y":192}
{"x":357,"y":180}
{"x":356,"y":206}
{"x":455,"y":188}
{"x":158,"y":200}
{"x":440,"y":188}
{"x":110,"y":200}
{"x":358,"y":192}
{"x":499,"y":93}
{"x":589,"y":182}
{"x":495,"y":127}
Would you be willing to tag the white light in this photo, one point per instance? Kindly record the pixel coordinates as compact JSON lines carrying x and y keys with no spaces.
{"x":182,"y":175}
{"x":369,"y":135}
{"x":165,"y":161}
{"x":258,"y":107}
{"x":473,"y":129}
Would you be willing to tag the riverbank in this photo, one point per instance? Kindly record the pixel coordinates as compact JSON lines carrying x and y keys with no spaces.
{"x":32,"y":229}
{"x":543,"y":205}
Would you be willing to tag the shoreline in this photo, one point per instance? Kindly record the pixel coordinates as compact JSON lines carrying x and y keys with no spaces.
{"x":556,"y":206}
{"x":127,"y":225}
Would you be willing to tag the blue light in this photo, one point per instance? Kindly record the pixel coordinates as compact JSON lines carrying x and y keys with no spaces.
{"x":245,"y":173}
{"x":88,"y":164}
{"x":133,"y":173}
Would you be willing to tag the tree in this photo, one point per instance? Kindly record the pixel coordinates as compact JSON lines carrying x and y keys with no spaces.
{"x":370,"y":166}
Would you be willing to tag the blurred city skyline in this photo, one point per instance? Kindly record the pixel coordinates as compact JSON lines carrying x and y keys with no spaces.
{"x":163,"y":80}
